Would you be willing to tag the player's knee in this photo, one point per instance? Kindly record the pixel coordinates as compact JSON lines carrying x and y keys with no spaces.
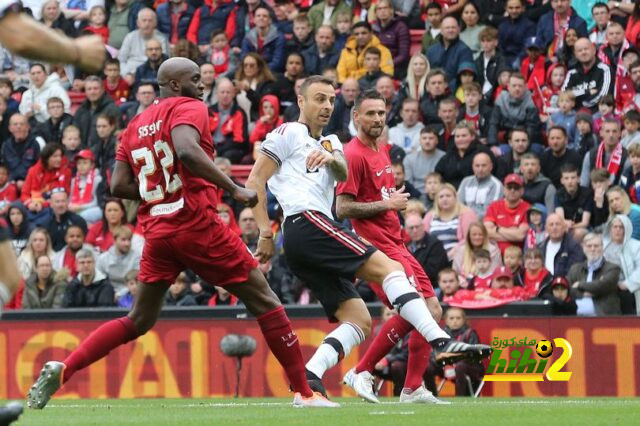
{"x":144,"y":321}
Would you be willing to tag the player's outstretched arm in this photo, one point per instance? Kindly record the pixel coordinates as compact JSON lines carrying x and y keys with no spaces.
{"x":186,"y":141}
{"x":30,"y":39}
{"x":348,"y":208}
{"x":123,"y":183}
{"x":262,"y":170}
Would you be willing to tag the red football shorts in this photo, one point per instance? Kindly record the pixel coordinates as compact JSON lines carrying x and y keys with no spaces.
{"x":215,"y":253}
{"x":417,"y":277}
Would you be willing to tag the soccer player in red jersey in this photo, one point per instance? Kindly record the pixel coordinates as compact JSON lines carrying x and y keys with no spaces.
{"x":165,"y":159}
{"x":370,"y":200}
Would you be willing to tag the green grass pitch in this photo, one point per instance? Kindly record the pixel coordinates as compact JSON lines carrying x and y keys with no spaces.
{"x":278,"y":411}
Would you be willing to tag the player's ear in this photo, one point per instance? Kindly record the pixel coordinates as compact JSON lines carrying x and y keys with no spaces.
{"x":300,"y":101}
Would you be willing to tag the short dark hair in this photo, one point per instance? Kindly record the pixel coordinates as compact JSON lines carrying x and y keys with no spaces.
{"x":632,"y":115}
{"x":559,"y":128}
{"x":47,"y":152}
{"x":481,"y":253}
{"x":217,"y":32}
{"x":298,"y":54}
{"x":433,"y":5}
{"x":369,"y":94}
{"x":4,"y":81}
{"x":598,"y":6}
{"x":362,"y":24}
{"x":568,"y":168}
{"x":315,"y":79}
{"x":430,"y":129}
{"x":372,"y":50}
{"x":54,"y":99}
{"x":75,"y":226}
{"x":517,"y":129}
{"x":607,"y":100}
{"x":112,"y":61}
{"x":530,"y":156}
{"x":38,"y":64}
{"x":398,"y":164}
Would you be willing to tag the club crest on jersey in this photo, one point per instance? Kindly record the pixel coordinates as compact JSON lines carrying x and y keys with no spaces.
{"x":326,"y":144}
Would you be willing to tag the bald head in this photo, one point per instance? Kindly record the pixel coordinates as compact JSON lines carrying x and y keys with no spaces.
{"x":555,"y":227}
{"x":180,"y":76}
{"x":585,"y":52}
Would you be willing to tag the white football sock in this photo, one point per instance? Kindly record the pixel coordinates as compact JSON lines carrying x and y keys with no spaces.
{"x":343,"y":338}
{"x":415,"y":311}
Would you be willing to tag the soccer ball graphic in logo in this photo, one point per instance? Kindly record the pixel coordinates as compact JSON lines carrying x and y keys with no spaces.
{"x":544,"y":348}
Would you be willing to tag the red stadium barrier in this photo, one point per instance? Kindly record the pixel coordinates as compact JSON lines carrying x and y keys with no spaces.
{"x":416,"y":41}
{"x":241,"y":172}
{"x":182,"y":358}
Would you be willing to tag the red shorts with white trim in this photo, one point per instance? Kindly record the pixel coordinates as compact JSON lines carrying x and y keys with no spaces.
{"x":417,"y":277}
{"x":215,"y":253}
{"x":325,"y":255}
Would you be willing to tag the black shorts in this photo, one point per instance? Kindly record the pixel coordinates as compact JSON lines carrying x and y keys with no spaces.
{"x":325,"y":255}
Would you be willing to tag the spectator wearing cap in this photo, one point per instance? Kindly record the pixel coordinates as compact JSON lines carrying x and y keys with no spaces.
{"x":326,"y":12}
{"x":481,"y":189}
{"x":50,"y":172}
{"x":590,"y":80}
{"x":84,"y":187}
{"x":506,"y":219}
{"x":97,"y":103}
{"x":90,"y":288}
{"x":33,"y":104}
{"x":537,"y":188}
{"x":352,"y":58}
{"x":558,"y":294}
{"x":559,"y":249}
{"x":60,"y":218}
{"x":51,"y":130}
{"x":594,"y":282}
{"x":558,"y":156}
{"x":553,"y":25}
{"x":449,"y":51}
{"x":21,"y":150}
{"x":132,"y":53}
{"x":513,"y":31}
{"x":624,"y":251}
{"x":514,"y":108}
{"x":322,"y":54}
{"x":266,"y":40}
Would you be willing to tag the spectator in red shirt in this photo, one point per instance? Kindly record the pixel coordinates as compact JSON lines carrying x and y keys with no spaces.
{"x":8,"y":190}
{"x":48,"y":173}
{"x":269,"y":118}
{"x":115,"y":86}
{"x":97,"y":23}
{"x":66,"y":257}
{"x":100,"y":233}
{"x":506,"y":220}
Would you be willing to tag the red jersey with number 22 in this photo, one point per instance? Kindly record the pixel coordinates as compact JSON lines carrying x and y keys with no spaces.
{"x":370,"y":179}
{"x":173,"y":200}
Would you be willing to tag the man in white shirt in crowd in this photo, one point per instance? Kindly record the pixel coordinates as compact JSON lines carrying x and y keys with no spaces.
{"x":480,"y":189}
{"x":407,"y":133}
{"x":419,"y":163}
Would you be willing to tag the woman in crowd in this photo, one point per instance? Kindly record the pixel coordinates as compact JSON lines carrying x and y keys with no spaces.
{"x":19,"y":226}
{"x":619,"y":203}
{"x":253,"y":80}
{"x":471,"y":27}
{"x":414,"y":84}
{"x":50,"y":172}
{"x":100,"y":233}
{"x":44,"y":289}
{"x":449,"y":219}
{"x":53,"y":17}
{"x":622,"y":250}
{"x":476,"y":238}
{"x":39,"y":244}
{"x":104,"y":152}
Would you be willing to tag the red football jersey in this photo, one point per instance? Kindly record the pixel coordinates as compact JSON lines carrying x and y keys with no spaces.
{"x":173,"y":199}
{"x":371,"y":179}
{"x":499,"y":213}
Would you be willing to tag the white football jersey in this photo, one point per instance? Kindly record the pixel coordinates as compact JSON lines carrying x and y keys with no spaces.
{"x":297,"y":188}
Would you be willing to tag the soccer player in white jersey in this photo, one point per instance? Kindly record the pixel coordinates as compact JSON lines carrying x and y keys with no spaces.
{"x":301,"y":167}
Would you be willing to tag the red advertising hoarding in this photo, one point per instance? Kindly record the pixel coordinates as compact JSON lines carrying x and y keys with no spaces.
{"x":182,"y":358}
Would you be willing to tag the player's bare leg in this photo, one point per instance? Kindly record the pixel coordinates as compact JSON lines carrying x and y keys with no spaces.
{"x":98,"y":344}
{"x":262,"y":302}
{"x":354,"y":328}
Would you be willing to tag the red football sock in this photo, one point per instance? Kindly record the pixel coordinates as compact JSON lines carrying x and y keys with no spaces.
{"x":391,"y":333}
{"x":98,"y":344}
{"x":418,"y":360}
{"x":283,"y":342}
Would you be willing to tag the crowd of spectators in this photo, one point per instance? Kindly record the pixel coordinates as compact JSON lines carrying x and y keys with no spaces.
{"x":514,"y":126}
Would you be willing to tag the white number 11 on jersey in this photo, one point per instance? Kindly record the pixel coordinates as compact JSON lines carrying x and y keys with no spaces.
{"x":172,"y":182}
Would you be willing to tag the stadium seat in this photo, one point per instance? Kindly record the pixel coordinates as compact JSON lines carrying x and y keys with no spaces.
{"x":452,"y":378}
{"x":240,"y":172}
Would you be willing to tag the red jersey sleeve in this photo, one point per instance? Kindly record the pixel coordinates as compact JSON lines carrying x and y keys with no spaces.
{"x":121,"y":152}
{"x":354,"y":176}
{"x":193,"y":113}
{"x":490,"y":216}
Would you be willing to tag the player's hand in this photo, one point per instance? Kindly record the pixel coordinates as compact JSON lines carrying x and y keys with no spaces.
{"x":398,"y":199}
{"x":265,"y":249}
{"x":91,"y":53}
{"x":248,"y":197}
{"x":319,"y":158}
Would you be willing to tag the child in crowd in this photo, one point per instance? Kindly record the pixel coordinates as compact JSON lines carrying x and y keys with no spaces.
{"x":131,"y":281}
{"x":573,"y":202}
{"x":269,"y":118}
{"x":220,"y":54}
{"x":482,"y":263}
{"x":490,"y":61}
{"x":534,"y":66}
{"x":466,"y":75}
{"x":630,"y":179}
{"x":512,"y":259}
{"x":565,"y":116}
{"x":448,"y":283}
{"x":605,"y":111}
{"x":536,"y":217}
{"x":503,"y":82}
{"x":8,"y":190}
{"x":114,"y":85}
{"x":434,"y":20}
{"x":474,"y":110}
{"x":178,"y":292}
{"x":6,"y":90}
{"x":97,"y":21}
{"x":457,"y":327}
{"x":546,"y":97}
{"x":84,"y":187}
{"x":343,"y":29}
{"x":631,"y":134}
{"x":432,"y":183}
{"x":372,"y":58}
{"x":72,"y":144}
{"x":586,"y":139}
